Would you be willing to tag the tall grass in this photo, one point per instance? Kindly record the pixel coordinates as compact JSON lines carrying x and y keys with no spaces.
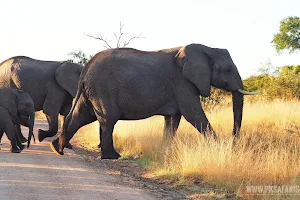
{"x":266,"y":153}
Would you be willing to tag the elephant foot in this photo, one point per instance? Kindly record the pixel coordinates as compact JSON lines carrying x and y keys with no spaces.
{"x":15,"y":150}
{"x":44,"y":134}
{"x":55,"y":147}
{"x":68,"y":145}
{"x":110,"y":154}
{"x":23,"y":139}
{"x":22,"y":147}
{"x":41,"y":135}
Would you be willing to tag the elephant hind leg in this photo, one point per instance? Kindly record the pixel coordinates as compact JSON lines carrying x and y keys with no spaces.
{"x":81,"y":115}
{"x":107,"y":148}
{"x":107,"y":122}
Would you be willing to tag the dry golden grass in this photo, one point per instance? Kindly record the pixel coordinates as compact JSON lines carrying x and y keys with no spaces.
{"x":40,"y":115}
{"x":267,"y":152}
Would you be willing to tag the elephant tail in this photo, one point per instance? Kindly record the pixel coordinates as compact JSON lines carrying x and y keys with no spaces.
{"x":79,"y":92}
{"x":62,"y":136}
{"x":75,"y":100}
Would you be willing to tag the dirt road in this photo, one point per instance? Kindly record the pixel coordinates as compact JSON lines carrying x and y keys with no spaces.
{"x":37,"y":173}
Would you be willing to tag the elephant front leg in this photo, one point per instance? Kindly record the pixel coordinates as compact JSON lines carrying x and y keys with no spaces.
{"x":193,"y":112}
{"x":19,"y":134}
{"x":19,"y":137}
{"x":171,"y":126}
{"x":14,"y":147}
{"x":14,"y":142}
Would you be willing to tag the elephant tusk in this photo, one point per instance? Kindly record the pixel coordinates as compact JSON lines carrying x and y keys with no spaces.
{"x":247,"y":93}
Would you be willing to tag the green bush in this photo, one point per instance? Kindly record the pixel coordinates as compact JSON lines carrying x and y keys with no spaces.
{"x":284,"y":84}
{"x":217,"y":97}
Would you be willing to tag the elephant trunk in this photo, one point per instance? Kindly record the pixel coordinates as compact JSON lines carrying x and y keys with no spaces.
{"x":31,"y":124}
{"x":237,"y":104}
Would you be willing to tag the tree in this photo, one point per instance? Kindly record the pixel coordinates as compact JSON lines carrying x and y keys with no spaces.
{"x":285,"y":84}
{"x":120,"y":42}
{"x":288,"y":36}
{"x":79,"y":57}
{"x":267,"y":68}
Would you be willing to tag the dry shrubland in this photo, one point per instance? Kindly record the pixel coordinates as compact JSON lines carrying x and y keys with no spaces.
{"x":266,"y":153}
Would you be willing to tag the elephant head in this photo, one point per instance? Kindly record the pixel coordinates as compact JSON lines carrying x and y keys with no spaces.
{"x":25,"y":104}
{"x":26,"y":111}
{"x":206,"y":67}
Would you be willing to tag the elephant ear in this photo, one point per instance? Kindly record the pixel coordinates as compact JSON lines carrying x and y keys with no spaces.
{"x":196,"y":66}
{"x":67,"y":76}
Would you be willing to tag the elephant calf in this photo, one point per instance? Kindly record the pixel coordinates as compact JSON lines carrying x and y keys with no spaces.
{"x":21,"y":109}
{"x":7,"y":125}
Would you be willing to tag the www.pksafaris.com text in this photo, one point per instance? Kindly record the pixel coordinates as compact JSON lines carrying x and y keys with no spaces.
{"x":273,"y":190}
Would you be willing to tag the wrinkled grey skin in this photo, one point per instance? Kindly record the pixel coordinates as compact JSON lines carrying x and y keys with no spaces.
{"x":21,"y":108}
{"x":128,"y":84}
{"x":51,"y":85}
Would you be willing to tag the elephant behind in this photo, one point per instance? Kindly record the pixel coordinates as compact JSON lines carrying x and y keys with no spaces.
{"x":128,"y":84}
{"x":51,"y":85}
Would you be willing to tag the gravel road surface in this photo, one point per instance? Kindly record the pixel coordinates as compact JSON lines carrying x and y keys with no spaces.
{"x":38,"y":173}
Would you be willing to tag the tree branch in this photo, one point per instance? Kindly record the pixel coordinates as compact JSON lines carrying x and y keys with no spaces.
{"x":125,"y":43}
{"x":117,"y":37}
{"x":107,"y":46}
{"x":121,"y":33}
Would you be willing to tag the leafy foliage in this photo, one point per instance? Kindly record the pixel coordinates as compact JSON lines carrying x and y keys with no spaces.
{"x":281,"y":83}
{"x":288,"y":36}
{"x":217,"y":97}
{"x":79,"y":57}
{"x":284,"y":84}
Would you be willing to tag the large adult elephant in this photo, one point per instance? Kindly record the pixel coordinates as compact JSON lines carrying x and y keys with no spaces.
{"x":128,"y":84}
{"x":51,"y":85}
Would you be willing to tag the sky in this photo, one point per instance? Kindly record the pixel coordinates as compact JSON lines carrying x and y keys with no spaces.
{"x":49,"y":30}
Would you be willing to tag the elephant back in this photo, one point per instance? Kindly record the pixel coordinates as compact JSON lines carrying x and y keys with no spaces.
{"x":30,"y":75}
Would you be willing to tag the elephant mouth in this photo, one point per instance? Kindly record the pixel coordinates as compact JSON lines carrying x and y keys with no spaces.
{"x":246,"y":92}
